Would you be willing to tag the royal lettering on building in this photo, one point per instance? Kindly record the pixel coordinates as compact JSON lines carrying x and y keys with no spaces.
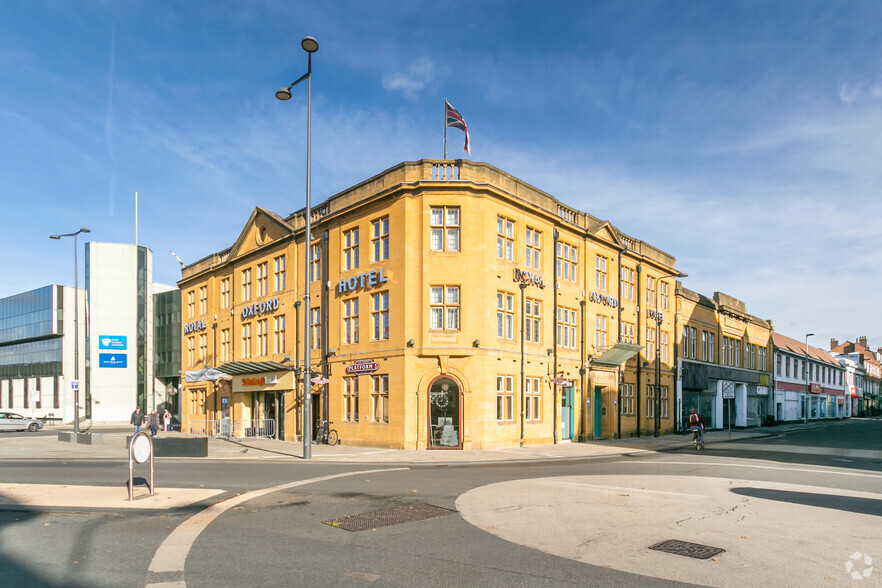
{"x":528,"y":278}
{"x":603,"y":299}
{"x":369,"y":279}
{"x":194,"y":326}
{"x":362,"y":367}
{"x":260,"y":308}
{"x":656,"y":315}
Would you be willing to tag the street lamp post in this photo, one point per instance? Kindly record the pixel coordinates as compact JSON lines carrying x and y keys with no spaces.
{"x":310,"y":45}
{"x":805,"y":401}
{"x":76,"y":328}
{"x":658,"y":325}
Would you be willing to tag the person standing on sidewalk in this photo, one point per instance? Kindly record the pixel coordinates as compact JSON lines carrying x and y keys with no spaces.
{"x":166,"y":420}
{"x":153,"y":423}
{"x":136,"y":419}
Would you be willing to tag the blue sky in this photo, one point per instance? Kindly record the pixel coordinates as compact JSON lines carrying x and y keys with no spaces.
{"x":741,"y":137}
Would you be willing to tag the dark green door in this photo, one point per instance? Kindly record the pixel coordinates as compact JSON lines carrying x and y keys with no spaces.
{"x":598,"y":395}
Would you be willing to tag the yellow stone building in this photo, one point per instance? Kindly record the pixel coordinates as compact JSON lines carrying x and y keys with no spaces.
{"x":453,"y":307}
{"x":723,"y":361}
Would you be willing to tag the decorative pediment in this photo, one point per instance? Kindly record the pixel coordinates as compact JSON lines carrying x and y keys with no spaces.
{"x":606,"y":232}
{"x":263,"y":227}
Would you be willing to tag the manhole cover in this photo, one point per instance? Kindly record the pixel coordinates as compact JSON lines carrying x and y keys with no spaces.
{"x":694,"y":550}
{"x":389,"y":517}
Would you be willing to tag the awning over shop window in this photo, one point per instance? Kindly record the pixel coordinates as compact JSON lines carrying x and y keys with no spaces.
{"x":238,"y":368}
{"x":617,"y":355}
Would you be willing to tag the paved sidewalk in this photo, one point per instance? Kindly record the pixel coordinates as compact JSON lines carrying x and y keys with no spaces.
{"x":114,"y":447}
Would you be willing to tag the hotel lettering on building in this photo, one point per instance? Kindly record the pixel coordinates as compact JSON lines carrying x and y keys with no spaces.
{"x":452,"y":306}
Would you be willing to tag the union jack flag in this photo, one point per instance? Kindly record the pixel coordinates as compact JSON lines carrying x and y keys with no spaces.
{"x":455,"y":121}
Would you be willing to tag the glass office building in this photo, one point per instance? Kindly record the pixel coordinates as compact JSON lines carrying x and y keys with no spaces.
{"x":33,"y":351}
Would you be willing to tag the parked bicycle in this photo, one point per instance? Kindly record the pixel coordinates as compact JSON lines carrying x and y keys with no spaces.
{"x":325,"y":434}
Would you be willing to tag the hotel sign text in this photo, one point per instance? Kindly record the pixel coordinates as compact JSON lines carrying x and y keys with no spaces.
{"x":194,"y":326}
{"x":371,"y":278}
{"x":528,"y":278}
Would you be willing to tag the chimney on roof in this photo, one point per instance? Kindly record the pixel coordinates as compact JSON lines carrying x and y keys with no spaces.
{"x":834,"y":343}
{"x":862,"y":341}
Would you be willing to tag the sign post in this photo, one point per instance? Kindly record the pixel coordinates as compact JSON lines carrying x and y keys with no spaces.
{"x":140,"y":450}
{"x":728,"y":398}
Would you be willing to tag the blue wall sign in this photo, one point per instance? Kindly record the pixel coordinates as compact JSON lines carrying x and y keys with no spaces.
{"x":112,"y":342}
{"x":112,"y":360}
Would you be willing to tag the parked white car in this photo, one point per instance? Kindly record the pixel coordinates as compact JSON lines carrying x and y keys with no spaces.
{"x":9,"y":421}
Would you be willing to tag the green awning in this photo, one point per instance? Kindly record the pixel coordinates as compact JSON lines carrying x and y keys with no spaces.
{"x":617,"y":355}
{"x":238,"y":368}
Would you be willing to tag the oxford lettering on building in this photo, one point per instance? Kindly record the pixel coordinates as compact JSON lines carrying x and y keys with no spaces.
{"x":432,"y":325}
{"x":260,"y":308}
{"x":603,"y":299}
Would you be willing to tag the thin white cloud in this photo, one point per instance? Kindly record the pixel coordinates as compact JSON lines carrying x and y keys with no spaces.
{"x":848,"y":93}
{"x":411,"y":81}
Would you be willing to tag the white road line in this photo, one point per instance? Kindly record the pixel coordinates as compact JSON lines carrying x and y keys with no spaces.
{"x":752,"y":465}
{"x":172,"y":553}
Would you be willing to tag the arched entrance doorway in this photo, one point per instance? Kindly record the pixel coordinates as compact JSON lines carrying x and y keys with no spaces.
{"x":445,"y":414}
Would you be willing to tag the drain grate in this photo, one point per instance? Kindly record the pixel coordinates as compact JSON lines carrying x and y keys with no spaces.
{"x":694,"y":550}
{"x":389,"y":517}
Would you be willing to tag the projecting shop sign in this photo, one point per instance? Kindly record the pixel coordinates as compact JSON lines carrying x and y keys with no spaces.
{"x":362,"y":366}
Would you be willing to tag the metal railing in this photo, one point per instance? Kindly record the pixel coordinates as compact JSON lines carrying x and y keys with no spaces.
{"x":230,"y":429}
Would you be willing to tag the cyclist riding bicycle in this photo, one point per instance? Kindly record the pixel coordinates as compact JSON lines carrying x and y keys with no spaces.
{"x":696,"y":423}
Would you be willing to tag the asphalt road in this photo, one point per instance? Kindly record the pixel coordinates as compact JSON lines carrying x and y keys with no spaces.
{"x":281,"y":536}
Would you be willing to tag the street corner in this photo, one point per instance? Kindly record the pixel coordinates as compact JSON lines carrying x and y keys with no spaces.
{"x":70,"y":496}
{"x":619,"y":521}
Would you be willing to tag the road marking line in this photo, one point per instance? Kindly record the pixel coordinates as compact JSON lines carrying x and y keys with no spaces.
{"x":618,"y":488}
{"x":751,"y":465}
{"x":172,"y":553}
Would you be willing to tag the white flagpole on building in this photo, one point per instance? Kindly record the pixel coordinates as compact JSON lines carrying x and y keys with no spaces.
{"x":136,"y":218}
{"x":445,"y":128}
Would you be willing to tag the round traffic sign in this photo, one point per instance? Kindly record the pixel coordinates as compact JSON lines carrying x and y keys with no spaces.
{"x":141,"y":447}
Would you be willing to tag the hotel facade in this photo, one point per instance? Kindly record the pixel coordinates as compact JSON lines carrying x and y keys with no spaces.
{"x":452,"y":305}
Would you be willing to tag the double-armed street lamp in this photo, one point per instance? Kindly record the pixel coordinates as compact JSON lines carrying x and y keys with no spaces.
{"x":310,"y":45}
{"x":76,"y":328}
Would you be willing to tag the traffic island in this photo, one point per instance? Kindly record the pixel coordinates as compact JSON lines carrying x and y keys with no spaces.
{"x":81,"y":438}
{"x":177,"y":446}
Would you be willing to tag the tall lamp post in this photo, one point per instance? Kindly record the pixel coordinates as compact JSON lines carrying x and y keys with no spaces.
{"x":805,"y":402}
{"x":76,"y":328}
{"x":310,"y":45}
{"x":658,"y":325}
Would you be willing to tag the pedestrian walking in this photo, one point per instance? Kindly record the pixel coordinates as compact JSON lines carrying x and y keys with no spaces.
{"x":166,"y":420}
{"x":136,"y":419}
{"x":153,"y":422}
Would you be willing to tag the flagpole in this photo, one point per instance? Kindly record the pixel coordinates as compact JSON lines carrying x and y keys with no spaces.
{"x":445,"y":128}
